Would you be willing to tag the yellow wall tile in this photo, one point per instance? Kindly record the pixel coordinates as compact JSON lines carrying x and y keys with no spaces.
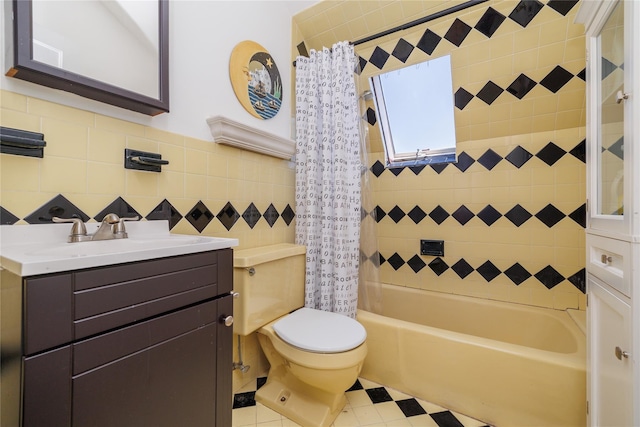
{"x":61,"y":175}
{"x":42,"y":108}
{"x":65,"y":139}
{"x":105,"y":178}
{"x":19,"y":173}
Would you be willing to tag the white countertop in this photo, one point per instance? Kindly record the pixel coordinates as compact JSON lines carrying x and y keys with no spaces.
{"x":28,"y":250}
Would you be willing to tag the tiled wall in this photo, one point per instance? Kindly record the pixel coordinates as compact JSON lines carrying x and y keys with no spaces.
{"x":207,"y":188}
{"x":512,"y":210}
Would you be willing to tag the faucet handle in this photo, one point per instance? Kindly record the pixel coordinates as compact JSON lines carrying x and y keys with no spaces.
{"x":118,"y":228}
{"x":77,"y":229}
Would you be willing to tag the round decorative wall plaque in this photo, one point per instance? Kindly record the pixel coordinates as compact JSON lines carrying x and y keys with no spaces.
{"x":255,"y":79}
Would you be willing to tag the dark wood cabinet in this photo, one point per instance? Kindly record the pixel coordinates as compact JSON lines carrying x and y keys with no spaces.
{"x":139,"y":344}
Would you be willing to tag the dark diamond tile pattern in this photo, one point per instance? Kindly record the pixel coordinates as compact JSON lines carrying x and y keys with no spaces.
{"x":438,"y":214}
{"x":119,"y":207}
{"x":402,"y":50}
{"x":379,"y":57}
{"x":199,"y":216}
{"x":549,"y":277}
{"x":417,"y":169}
{"x":489,"y":22}
{"x":356,"y":386}
{"x":396,"y":171}
{"x":438,"y":266}
{"x":557,"y":78}
{"x":579,"y":280}
{"x":525,"y":11}
{"x":377,"y":168}
{"x":489,"y":159}
{"x":361,"y":64}
{"x":457,"y":32}
{"x":582,"y":74}
{"x":371,"y":116}
{"x":489,"y":92}
{"x":7,"y":218}
{"x":551,"y":153}
{"x":446,"y":419}
{"x":416,"y":263}
{"x":608,"y":67}
{"x":379,"y":395}
{"x":251,"y":215}
{"x":380,"y":213}
{"x":396,"y":214}
{"x":517,"y":273}
{"x":580,"y":151}
{"x":518,"y":156}
{"x":489,"y":215}
{"x":439,"y":167}
{"x":518,"y":215}
{"x":488,"y":271}
{"x":462,"y":98}
{"x":59,"y":206}
{"x":462,"y":268}
{"x":617,"y":148}
{"x":463,"y":215}
{"x":228,"y":216}
{"x":580,"y":216}
{"x":410,"y":407}
{"x":464,"y":161}
{"x":165,"y":211}
{"x":428,"y":42}
{"x":521,"y":86}
{"x":550,"y":215}
{"x":271,"y":215}
{"x":244,"y":400}
{"x":562,"y":6}
{"x":417,"y":214}
{"x":396,"y":261}
{"x":260,"y":381}
{"x":288,"y":215}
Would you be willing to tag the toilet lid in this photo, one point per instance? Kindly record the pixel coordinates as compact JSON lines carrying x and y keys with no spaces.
{"x":320,"y":331}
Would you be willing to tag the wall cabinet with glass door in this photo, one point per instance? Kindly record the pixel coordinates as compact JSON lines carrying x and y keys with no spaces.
{"x":613,"y":216}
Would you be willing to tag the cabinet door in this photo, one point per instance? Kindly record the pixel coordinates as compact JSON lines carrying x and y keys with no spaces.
{"x":159,"y":373}
{"x":610,"y":366}
{"x":606,"y":130}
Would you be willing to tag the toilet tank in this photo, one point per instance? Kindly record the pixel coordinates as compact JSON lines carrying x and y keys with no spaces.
{"x":270,"y":283}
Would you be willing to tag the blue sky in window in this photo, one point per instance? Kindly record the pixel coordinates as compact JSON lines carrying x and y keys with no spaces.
{"x":419,"y":103}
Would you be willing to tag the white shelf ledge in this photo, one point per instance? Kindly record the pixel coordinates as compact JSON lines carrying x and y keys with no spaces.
{"x":229,"y":132}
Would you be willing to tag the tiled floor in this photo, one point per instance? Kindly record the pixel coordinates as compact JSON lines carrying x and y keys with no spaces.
{"x":368,"y":404}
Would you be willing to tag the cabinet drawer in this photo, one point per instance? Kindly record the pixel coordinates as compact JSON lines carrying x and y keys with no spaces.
{"x":610,"y":261}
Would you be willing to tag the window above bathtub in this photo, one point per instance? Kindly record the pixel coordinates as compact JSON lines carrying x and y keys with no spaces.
{"x":414,"y":107}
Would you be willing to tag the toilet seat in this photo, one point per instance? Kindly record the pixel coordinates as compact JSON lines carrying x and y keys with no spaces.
{"x":320,"y":331}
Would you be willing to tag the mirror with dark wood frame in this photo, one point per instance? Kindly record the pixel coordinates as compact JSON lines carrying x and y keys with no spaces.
{"x":65,"y":64}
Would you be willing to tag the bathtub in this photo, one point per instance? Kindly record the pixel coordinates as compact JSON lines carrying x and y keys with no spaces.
{"x":505,"y":364}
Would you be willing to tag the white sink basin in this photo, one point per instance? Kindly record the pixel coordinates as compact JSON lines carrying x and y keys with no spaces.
{"x":28,"y":250}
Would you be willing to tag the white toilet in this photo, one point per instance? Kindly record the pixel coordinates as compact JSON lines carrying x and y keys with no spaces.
{"x":315,"y":356}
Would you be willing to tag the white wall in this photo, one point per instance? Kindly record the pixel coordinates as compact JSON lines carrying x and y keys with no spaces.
{"x":202,"y":36}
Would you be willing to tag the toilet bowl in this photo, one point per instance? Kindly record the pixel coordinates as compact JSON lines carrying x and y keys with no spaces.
{"x":314,"y":356}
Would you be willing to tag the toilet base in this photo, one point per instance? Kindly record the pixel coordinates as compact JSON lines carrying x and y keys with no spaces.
{"x":307,"y":406}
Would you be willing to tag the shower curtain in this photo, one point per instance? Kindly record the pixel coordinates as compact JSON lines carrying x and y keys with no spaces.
{"x":328,"y":173}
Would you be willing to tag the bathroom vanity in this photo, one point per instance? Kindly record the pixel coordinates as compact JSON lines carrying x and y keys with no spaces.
{"x":141,"y":342}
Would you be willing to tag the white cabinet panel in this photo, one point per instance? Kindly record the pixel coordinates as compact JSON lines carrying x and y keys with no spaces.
{"x":610,"y":363}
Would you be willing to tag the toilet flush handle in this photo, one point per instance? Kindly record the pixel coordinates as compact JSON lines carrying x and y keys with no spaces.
{"x":251,"y":271}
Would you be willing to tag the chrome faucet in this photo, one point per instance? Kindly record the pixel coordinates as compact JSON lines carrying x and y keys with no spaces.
{"x":112,"y":227}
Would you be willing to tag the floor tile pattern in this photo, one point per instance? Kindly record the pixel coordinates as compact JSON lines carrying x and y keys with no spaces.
{"x":368,"y":404}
